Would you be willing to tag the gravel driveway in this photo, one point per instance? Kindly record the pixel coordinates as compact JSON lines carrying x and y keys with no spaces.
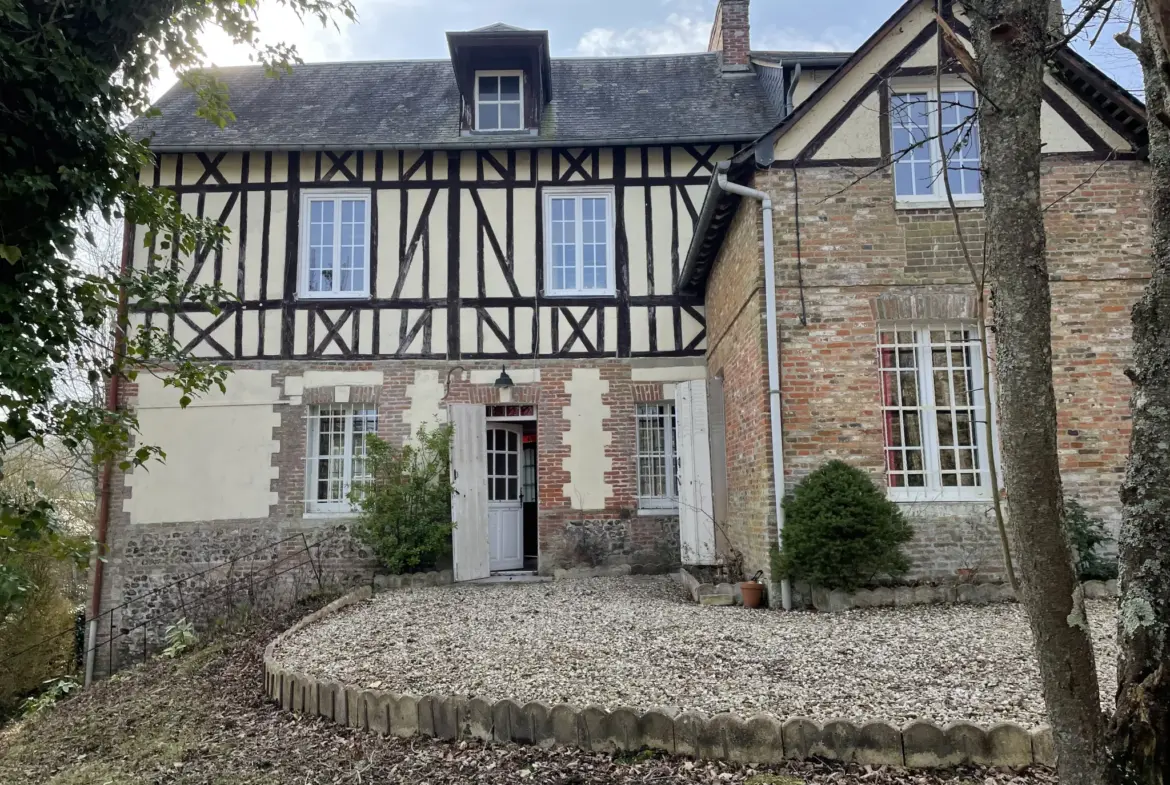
{"x":639,"y":642}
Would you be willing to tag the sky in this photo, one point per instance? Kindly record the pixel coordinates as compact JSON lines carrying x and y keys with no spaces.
{"x":407,"y":29}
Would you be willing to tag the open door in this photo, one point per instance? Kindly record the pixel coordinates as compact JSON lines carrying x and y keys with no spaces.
{"x":470,"y":503}
{"x":505,"y":496}
{"x":696,"y":514}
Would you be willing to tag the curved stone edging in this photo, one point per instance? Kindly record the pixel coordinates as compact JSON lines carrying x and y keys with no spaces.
{"x":759,"y":739}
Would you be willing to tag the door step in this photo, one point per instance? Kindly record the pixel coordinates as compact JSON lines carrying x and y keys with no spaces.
{"x":513,"y":576}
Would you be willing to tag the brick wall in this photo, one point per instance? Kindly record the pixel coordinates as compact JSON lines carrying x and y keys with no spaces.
{"x":856,"y":247}
{"x":730,"y":34}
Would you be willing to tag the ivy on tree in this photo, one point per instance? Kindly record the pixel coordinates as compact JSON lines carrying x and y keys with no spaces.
{"x":72,"y":73}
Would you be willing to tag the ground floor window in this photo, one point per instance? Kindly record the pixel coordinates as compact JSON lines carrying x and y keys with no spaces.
{"x":657,"y":459}
{"x":933,"y":413}
{"x":337,"y":454}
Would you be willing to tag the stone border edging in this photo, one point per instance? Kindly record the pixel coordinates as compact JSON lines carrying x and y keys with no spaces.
{"x":884,"y":597}
{"x":760,"y":739}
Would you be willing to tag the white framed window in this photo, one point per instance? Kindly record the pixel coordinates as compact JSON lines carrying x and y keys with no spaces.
{"x":918,"y":118}
{"x":499,"y":100}
{"x":336,"y":454}
{"x":579,"y":230}
{"x":656,"y":436}
{"x":335,"y":244}
{"x":932,"y":412}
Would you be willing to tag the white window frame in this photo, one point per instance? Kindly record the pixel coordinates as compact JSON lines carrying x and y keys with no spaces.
{"x":610,"y":247}
{"x":669,"y":455}
{"x":314,"y":416}
{"x":336,"y":196}
{"x":938,"y":195}
{"x":928,"y":407}
{"x":499,"y":102}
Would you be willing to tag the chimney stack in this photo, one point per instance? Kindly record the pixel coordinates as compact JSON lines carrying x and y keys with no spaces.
{"x":730,"y":35}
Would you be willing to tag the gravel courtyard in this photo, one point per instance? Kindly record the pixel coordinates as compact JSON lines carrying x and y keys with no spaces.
{"x":639,"y":642}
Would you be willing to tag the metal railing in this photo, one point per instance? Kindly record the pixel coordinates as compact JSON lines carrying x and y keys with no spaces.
{"x":135,"y":628}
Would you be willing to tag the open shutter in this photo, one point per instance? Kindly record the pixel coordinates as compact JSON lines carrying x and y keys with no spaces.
{"x":695,"y":507}
{"x":469,"y":503}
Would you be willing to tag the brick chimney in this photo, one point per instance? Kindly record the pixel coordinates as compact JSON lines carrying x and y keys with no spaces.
{"x":730,"y":35}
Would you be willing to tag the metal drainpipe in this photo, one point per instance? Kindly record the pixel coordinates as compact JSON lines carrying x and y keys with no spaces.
{"x":103,"y":522}
{"x":773,"y":363}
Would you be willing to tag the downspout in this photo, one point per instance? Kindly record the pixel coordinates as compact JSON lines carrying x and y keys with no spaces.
{"x":773,"y":363}
{"x":103,"y":521}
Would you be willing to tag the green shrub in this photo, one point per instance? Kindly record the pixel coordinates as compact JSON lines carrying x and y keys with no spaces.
{"x":44,"y":617}
{"x":840,"y":530}
{"x":1087,"y":536}
{"x":405,"y":507}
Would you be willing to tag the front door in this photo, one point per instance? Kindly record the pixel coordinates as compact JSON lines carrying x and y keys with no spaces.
{"x":505,"y":496}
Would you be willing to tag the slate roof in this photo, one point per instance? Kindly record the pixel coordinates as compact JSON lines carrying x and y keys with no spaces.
{"x":415,"y":103}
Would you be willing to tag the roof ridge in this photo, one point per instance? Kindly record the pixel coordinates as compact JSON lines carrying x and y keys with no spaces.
{"x":574,"y":58}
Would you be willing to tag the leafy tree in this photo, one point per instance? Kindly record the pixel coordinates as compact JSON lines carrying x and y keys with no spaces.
{"x":406,"y":504}
{"x":71,"y":73}
{"x":841,"y":531}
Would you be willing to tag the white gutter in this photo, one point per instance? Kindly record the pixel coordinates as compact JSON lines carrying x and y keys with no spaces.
{"x":773,"y":363}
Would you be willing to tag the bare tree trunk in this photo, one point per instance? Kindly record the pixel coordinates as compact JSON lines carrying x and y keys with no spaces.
{"x":1140,"y":731}
{"x":1010,"y":37}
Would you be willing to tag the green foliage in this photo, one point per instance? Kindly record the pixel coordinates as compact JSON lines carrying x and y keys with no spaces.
{"x":1087,"y":536}
{"x":180,"y":637}
{"x":71,"y":74}
{"x":43,"y":616}
{"x":30,"y":527}
{"x":840,"y":530}
{"x":53,"y":690}
{"x":405,"y":507}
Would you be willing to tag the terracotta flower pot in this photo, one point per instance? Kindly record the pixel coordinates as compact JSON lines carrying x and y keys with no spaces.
{"x":753,"y":594}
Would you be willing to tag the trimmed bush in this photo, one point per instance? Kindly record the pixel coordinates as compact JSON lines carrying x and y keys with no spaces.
{"x":1087,"y":536}
{"x":840,"y":530}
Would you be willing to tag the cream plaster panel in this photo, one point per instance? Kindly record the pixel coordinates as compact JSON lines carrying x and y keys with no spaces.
{"x":426,"y":402}
{"x":311,"y":379}
{"x":810,"y":80}
{"x":859,"y":136}
{"x":640,"y":329}
{"x":467,"y":166}
{"x":655,"y":166}
{"x":496,"y":216}
{"x":301,"y":331}
{"x":166,"y":166}
{"x":468,"y":329}
{"x":524,"y":164}
{"x":664,"y":321}
{"x":389,"y":206}
{"x":605,"y":163}
{"x":587,"y":440}
{"x":519,"y":375}
{"x":1111,"y":137}
{"x":468,"y":231}
{"x":611,"y":328}
{"x":439,"y":331}
{"x":1058,"y":136}
{"x":253,"y":243}
{"x":524,"y":259}
{"x":670,"y":373}
{"x":801,"y":133}
{"x":219,"y":452}
{"x":636,"y":241}
{"x":251,"y":342}
{"x":256,"y":168}
{"x":271,"y":332}
{"x":276,"y":244}
{"x":308,"y":167}
{"x":663,"y":229}
{"x":280,"y":167}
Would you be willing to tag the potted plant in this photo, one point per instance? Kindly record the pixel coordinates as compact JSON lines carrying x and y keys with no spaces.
{"x":752,"y":591}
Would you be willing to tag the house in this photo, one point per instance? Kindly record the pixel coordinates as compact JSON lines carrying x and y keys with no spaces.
{"x":540,"y":251}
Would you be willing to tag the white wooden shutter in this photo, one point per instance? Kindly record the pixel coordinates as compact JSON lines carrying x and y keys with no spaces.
{"x":695,"y":507}
{"x":469,"y":504}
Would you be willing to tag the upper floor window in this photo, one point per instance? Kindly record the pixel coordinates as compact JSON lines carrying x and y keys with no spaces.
{"x":335,"y":241}
{"x":499,"y":101}
{"x":933,"y":413}
{"x":579,"y":228}
{"x":918,"y":119}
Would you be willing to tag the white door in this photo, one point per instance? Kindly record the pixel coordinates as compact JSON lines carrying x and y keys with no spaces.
{"x":469,"y":504}
{"x":505,"y":499}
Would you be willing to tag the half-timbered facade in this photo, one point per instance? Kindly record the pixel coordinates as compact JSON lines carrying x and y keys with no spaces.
{"x":493,"y":240}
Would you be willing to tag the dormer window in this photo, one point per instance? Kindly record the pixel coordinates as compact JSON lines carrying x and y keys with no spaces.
{"x":499,"y":101}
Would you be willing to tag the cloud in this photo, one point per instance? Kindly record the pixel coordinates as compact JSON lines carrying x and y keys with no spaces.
{"x":677,"y":34}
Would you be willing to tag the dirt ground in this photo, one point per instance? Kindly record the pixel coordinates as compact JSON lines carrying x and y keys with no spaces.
{"x":203,"y":719}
